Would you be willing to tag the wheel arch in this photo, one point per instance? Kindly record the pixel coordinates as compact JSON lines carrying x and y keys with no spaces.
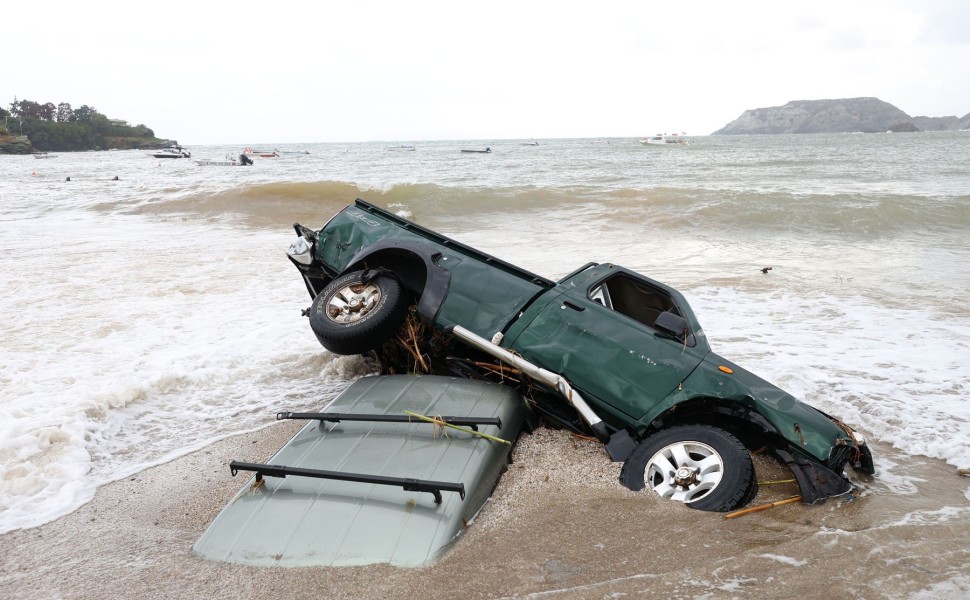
{"x":737,"y":418}
{"x":415,"y":266}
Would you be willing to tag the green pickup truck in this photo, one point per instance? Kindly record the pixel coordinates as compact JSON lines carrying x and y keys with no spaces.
{"x":604,"y":351}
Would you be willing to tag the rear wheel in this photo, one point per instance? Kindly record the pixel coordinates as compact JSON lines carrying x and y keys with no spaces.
{"x":358,"y":311}
{"x":704,"y":467}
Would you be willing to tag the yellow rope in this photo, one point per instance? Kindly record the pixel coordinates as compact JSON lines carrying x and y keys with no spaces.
{"x":253,"y":488}
{"x":441,"y":423}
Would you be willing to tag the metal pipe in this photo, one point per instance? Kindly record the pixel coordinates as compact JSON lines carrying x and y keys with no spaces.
{"x":544,"y":376}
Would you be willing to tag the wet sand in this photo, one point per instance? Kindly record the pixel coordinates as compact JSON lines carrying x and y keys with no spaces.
{"x":558,"y":526}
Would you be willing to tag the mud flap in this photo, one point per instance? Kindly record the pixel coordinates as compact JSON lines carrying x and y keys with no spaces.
{"x":816,"y":482}
{"x":620,"y":445}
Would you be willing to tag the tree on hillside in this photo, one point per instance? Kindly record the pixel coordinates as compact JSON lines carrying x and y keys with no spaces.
{"x":62,"y":112}
{"x":60,"y":127}
{"x":85,"y":114}
{"x":26,"y":108}
{"x":48,"y":112}
{"x":65,"y":113}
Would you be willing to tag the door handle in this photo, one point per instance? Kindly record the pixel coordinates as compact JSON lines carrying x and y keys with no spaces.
{"x":573,"y":306}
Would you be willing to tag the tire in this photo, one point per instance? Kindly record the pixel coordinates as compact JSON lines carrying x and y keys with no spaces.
{"x":358,"y":312}
{"x":704,"y":467}
{"x":752,"y":490}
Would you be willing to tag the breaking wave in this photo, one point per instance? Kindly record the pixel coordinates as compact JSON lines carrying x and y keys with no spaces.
{"x":269,"y":204}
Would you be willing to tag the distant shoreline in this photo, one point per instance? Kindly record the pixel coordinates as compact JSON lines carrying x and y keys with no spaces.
{"x":847,"y":115}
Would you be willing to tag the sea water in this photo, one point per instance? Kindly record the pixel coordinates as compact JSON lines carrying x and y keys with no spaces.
{"x":147,"y":316}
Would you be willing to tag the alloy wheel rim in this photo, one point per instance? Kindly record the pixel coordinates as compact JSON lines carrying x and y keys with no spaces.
{"x":684,"y":471}
{"x":353,"y":302}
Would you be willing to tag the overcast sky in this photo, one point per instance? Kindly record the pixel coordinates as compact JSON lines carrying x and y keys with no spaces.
{"x":285,"y":72}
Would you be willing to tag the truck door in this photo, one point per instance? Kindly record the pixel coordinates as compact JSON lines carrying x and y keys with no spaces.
{"x":600,"y":336}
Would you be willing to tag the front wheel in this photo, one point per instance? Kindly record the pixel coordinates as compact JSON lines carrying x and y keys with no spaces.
{"x":358,"y":311}
{"x":704,"y":467}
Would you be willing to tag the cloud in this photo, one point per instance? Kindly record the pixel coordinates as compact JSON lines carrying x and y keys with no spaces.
{"x":385,"y":70}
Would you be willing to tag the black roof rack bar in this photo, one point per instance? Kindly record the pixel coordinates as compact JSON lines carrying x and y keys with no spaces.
{"x":411,"y":485}
{"x":472,"y":422}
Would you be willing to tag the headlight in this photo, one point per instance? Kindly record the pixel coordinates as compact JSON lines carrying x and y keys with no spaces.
{"x":301,"y":251}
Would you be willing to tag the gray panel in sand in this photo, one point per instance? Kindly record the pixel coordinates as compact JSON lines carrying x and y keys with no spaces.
{"x":300,"y":521}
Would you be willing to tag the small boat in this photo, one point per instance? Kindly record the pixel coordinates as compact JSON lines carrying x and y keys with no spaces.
{"x":532,"y":143}
{"x":261,"y":153}
{"x":401,"y":148}
{"x":172,"y":152}
{"x":662,"y":139}
{"x":485,"y":150}
{"x":44,"y":155}
{"x":230,"y":161}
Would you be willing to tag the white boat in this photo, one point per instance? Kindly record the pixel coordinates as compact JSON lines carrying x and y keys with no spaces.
{"x":229,"y":161}
{"x":261,"y":153}
{"x":532,"y":143}
{"x":662,"y":139}
{"x":44,"y":155}
{"x":486,"y":150}
{"x":172,"y":152}
{"x":401,"y":148}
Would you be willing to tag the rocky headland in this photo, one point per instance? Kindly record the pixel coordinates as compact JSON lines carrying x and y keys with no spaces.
{"x":15,"y":144}
{"x":847,"y":115}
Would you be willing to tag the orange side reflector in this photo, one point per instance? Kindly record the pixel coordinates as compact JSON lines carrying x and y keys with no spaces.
{"x":727,"y":370}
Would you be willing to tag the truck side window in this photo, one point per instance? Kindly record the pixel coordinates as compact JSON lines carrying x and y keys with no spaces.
{"x":635,"y":299}
{"x":600,"y":295}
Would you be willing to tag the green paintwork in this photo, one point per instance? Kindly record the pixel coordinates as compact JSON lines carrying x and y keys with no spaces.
{"x":816,"y":435}
{"x":630,"y":372}
{"x":623,"y":367}
{"x":298,"y":521}
{"x":484,"y":293}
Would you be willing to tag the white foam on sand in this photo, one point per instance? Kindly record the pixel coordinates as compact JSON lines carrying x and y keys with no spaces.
{"x":785,"y":559}
{"x":885,"y":371}
{"x":126,"y":360}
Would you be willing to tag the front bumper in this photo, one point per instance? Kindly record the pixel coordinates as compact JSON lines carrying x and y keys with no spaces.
{"x":817,"y":482}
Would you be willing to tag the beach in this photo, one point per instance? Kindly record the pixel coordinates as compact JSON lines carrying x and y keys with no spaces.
{"x":153,"y":329}
{"x":558,"y":526}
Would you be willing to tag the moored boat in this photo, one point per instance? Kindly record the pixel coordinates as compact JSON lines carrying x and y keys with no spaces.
{"x":663,"y":139}
{"x":172,"y":152}
{"x":485,"y":150}
{"x":261,"y":153}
